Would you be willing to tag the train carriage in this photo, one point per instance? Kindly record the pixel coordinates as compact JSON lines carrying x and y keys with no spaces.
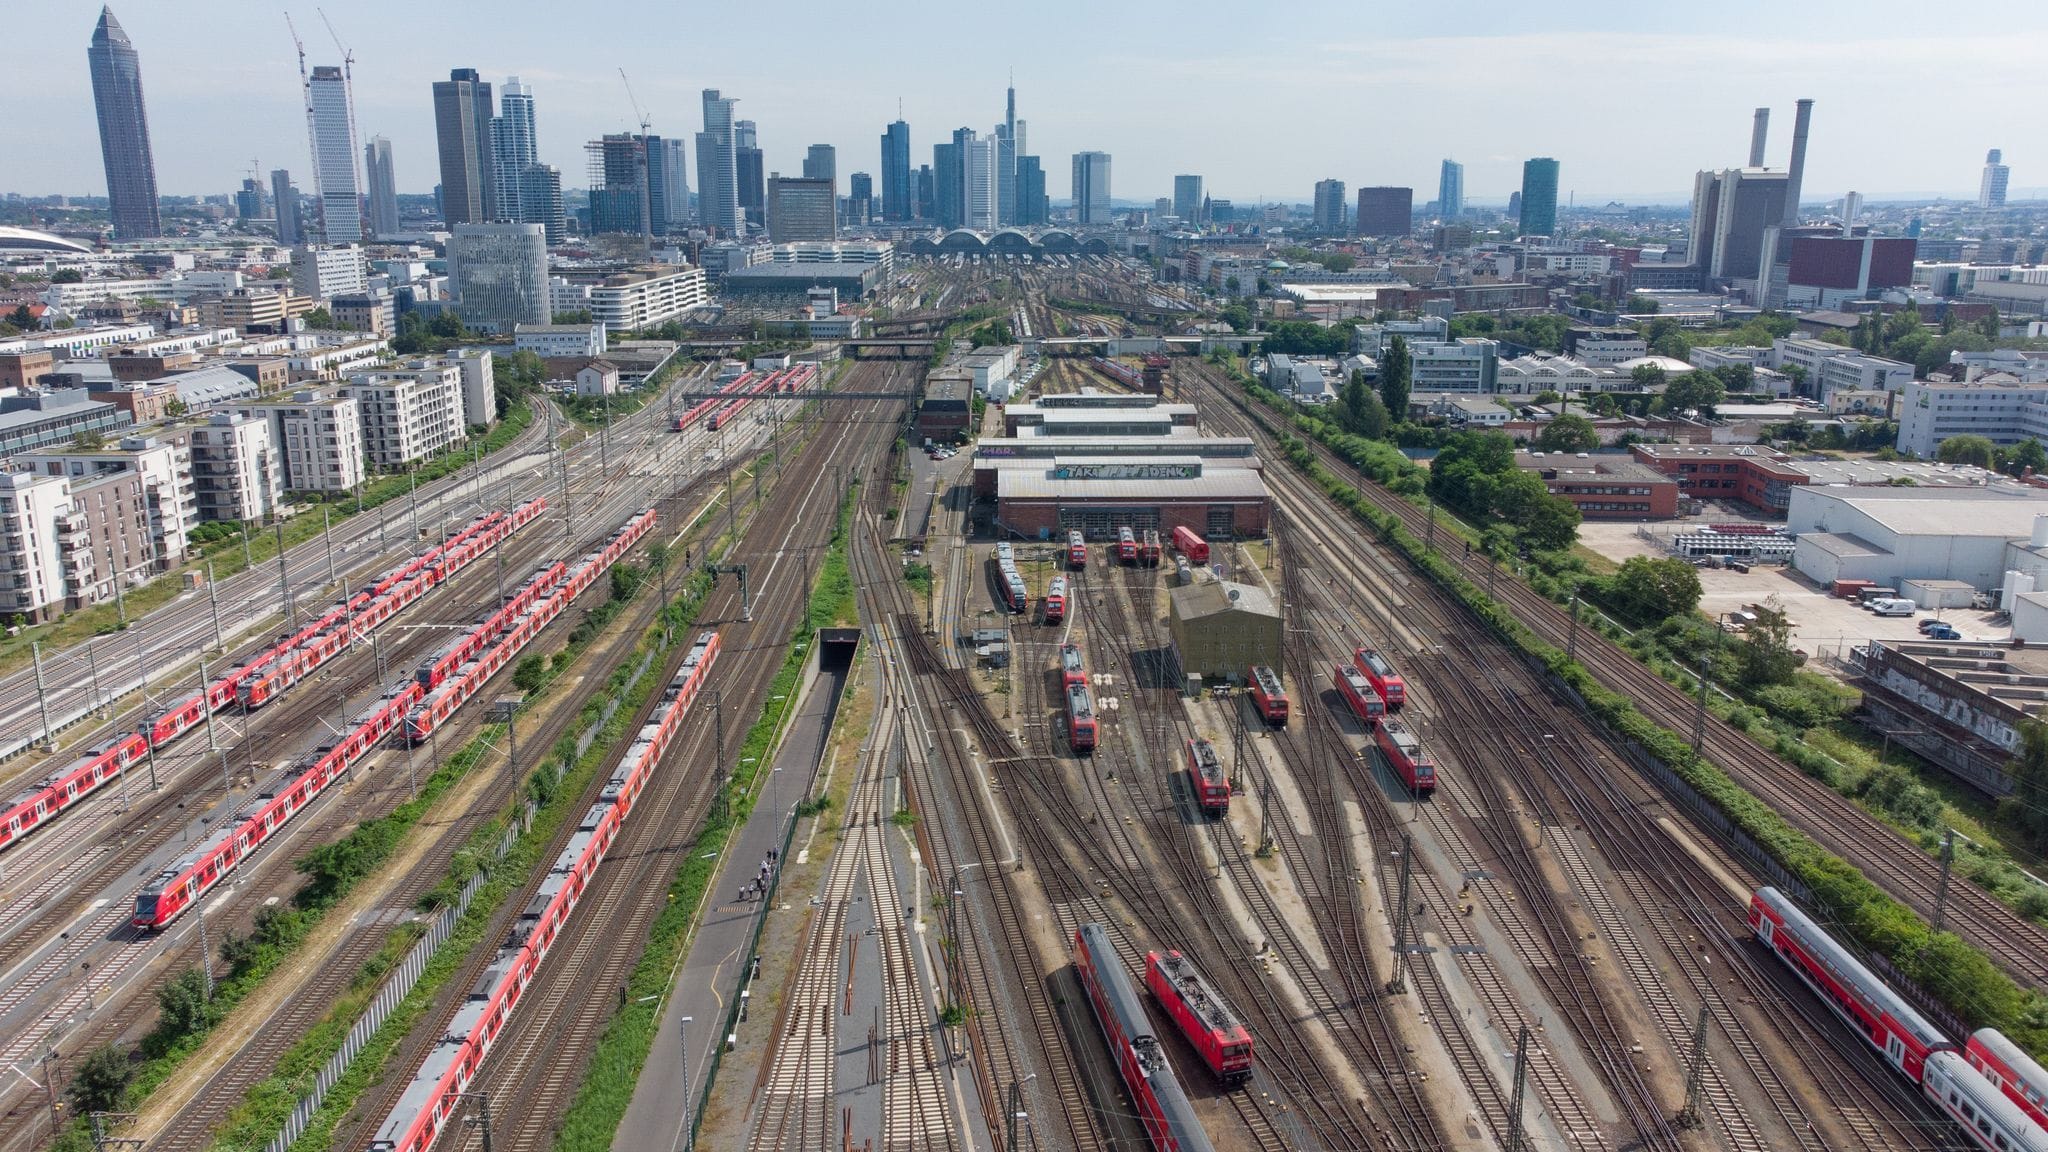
{"x":1385,"y":680}
{"x":1205,"y":773}
{"x":1149,"y":551}
{"x":1405,"y":754}
{"x":1056,"y":600}
{"x":1126,"y":546}
{"x":1986,"y":1115}
{"x":1268,"y":695}
{"x":1358,"y":694}
{"x":1077,"y":551}
{"x":1189,"y":544}
{"x":1203,"y":1016}
{"x":1073,"y":669}
{"x":2015,"y":1073}
{"x":1081,"y":723}
{"x":1163,"y":1107}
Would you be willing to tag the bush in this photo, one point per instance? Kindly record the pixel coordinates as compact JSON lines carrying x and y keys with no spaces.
{"x":101,"y":1082}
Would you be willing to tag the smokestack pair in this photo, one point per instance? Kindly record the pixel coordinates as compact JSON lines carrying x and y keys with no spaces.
{"x":1796,"y":172}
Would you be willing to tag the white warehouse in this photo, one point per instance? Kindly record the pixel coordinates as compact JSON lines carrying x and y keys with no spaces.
{"x":1890,"y":535}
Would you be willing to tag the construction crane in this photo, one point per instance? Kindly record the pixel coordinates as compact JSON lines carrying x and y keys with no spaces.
{"x":306,"y":94}
{"x":644,"y":160}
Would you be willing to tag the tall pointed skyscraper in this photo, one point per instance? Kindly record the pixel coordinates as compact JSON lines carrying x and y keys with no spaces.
{"x":124,"y":131}
{"x":337,"y":176}
{"x":718,"y":200}
{"x":1450,"y":191}
{"x":383,"y":187}
{"x":896,"y":177}
{"x":1007,"y":148}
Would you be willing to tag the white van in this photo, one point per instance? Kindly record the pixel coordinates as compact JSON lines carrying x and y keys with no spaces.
{"x":1893,"y":607}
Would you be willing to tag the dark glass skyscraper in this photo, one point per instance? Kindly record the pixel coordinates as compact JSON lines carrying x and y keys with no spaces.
{"x":124,"y":131}
{"x":1031,"y":205}
{"x":1539,"y":197}
{"x":462,"y":127}
{"x":896,"y":187}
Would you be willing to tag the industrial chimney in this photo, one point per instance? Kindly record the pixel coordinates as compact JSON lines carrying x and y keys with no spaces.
{"x":1797,"y":171}
{"x":1756,"y":137}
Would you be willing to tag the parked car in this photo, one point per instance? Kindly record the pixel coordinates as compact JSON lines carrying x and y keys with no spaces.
{"x":1886,"y":606}
{"x":1942,"y":631}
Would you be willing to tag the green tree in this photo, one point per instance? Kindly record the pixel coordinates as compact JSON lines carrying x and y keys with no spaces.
{"x":1647,"y":376}
{"x":1966,"y":450}
{"x":319,"y":318}
{"x":530,"y":672}
{"x":1394,"y":378}
{"x":1355,"y":392}
{"x":1694,"y":391}
{"x":182,"y":1000}
{"x":67,"y":276}
{"x":1655,"y":588}
{"x":578,"y":316}
{"x":2027,"y":806}
{"x":1568,"y":433}
{"x":2027,"y":454}
{"x":1546,"y":523}
{"x":100,"y":1083}
{"x":1766,"y":654}
{"x":1988,"y":326}
{"x":22,"y":318}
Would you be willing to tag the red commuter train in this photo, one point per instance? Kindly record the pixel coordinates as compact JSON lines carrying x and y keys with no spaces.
{"x":1358,"y":693}
{"x":1163,"y":1107}
{"x":1126,"y":546}
{"x":1190,"y":545}
{"x":1081,"y":725}
{"x":2011,"y":1070}
{"x":1202,"y":1015}
{"x":1072,"y":669}
{"x":1148,"y":552}
{"x":1056,"y":600}
{"x":1205,"y":773}
{"x":1077,"y":551}
{"x":1268,"y":695}
{"x":68,"y":785}
{"x":1407,"y":757}
{"x":1385,"y":680}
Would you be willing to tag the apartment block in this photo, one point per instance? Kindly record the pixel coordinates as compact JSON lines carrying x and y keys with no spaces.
{"x":116,"y":511}
{"x":1467,"y":364}
{"x":1859,"y":373}
{"x":235,"y":471}
{"x":408,"y":414}
{"x":326,"y":272}
{"x":163,"y":471}
{"x":2003,"y":413}
{"x":479,"y":387}
{"x":319,"y":437}
{"x":43,"y":544}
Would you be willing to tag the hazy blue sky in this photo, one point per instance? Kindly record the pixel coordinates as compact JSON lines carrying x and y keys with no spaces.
{"x":1632,"y":98}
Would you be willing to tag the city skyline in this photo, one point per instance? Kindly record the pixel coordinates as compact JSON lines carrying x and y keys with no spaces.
{"x":1171,"y":114}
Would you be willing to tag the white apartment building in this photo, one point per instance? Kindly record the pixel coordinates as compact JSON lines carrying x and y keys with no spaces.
{"x":1805,"y":354}
{"x":79,"y":343}
{"x":2026,"y":367}
{"x":235,"y":472}
{"x":43,"y":544}
{"x":169,"y":506}
{"x":647,"y":296}
{"x":1712,"y":356}
{"x":326,"y":271}
{"x":408,"y":414}
{"x":72,"y":297}
{"x":479,"y":386}
{"x":1859,"y":373}
{"x":322,"y":361}
{"x":320,"y":437}
{"x":559,"y":339}
{"x":1930,"y":412}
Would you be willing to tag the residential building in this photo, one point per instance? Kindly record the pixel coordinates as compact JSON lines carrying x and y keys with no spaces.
{"x":336,"y":183}
{"x":1329,"y":207}
{"x":860,"y":198}
{"x":514,"y":149}
{"x":407,"y":414}
{"x":747,"y":164}
{"x":499,"y":274}
{"x":1091,"y":188}
{"x":36,"y":420}
{"x":559,"y":340}
{"x":163,"y":471}
{"x":1539,"y":197}
{"x":373,"y":312}
{"x":1464,"y":365}
{"x":324,"y":272}
{"x":1187,"y":198}
{"x":235,"y":473}
{"x":1856,"y":372}
{"x":479,"y":386}
{"x":1032,"y":209}
{"x":597,"y":378}
{"x":116,"y":511}
{"x":1604,"y":486}
{"x":463,"y":111}
{"x":896,"y":181}
{"x":647,"y":296}
{"x":2003,"y":413}
{"x":25,"y":369}
{"x":540,"y":201}
{"x":44,"y":546}
{"x":619,"y":194}
{"x":124,"y":131}
{"x":1990,"y":191}
{"x":319,"y":439}
{"x":802,"y":208}
{"x":331,"y":360}
{"x":1386,"y":212}
{"x":383,"y":187}
{"x":718,"y":204}
{"x":284,"y":199}
{"x":1450,"y":191}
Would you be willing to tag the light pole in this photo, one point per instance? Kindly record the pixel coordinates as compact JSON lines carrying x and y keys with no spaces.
{"x":953,"y":894}
{"x":689,"y":1133}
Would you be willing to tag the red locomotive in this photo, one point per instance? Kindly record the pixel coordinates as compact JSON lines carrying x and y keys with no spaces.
{"x":1385,"y":680}
{"x":1268,"y":695}
{"x":1081,"y":728}
{"x":1072,"y":669}
{"x":1205,"y":772}
{"x":1126,"y":546}
{"x":1203,"y":1016}
{"x":1358,"y":693}
{"x":1407,"y":757}
{"x":1077,"y":551}
{"x":1162,"y":1105}
{"x":1190,"y":545}
{"x":1056,"y":600}
{"x":1148,"y":552}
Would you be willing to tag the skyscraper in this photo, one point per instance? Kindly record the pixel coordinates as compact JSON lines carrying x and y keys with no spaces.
{"x":802,"y":209}
{"x":1990,"y":193}
{"x":1187,"y":198}
{"x":926,"y":201}
{"x":1329,"y":207}
{"x":1031,"y":205}
{"x":124,"y":131}
{"x":1385,"y":212}
{"x":979,"y":158}
{"x":668,"y":184}
{"x":718,"y":201}
{"x":250,"y":201}
{"x":540,"y":200}
{"x":1091,"y":187}
{"x":462,"y":127}
{"x":1539,"y":197}
{"x":860,"y":198}
{"x":949,"y":180}
{"x":499,"y":273}
{"x":619,"y":193}
{"x":285,"y":202}
{"x":1450,"y":191}
{"x":752,"y":176}
{"x":514,"y":147}
{"x":821,"y":162}
{"x":897,"y":194}
{"x":383,"y":187}
{"x":337,"y":184}
{"x":1007,"y":147}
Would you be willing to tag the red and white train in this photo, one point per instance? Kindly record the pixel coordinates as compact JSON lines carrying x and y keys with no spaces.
{"x":49,"y":797}
{"x":459,"y":651}
{"x":1162,"y":1105}
{"x":434,"y":1095}
{"x":1126,"y":546}
{"x":1056,"y":600}
{"x":1268,"y":696}
{"x":1073,"y":670}
{"x":1405,"y":754}
{"x":776,"y":383}
{"x":1009,"y":581}
{"x":500,"y":649}
{"x":703,"y":407}
{"x":1148,"y":552}
{"x":282,"y":797}
{"x":1359,"y":694}
{"x":1077,"y":550}
{"x":1205,"y":773}
{"x":1993,"y":1113}
{"x":1081,"y":724}
{"x":1203,"y":1016}
{"x":1385,"y":680}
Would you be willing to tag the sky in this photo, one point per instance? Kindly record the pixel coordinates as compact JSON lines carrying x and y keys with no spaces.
{"x":1261,"y":100}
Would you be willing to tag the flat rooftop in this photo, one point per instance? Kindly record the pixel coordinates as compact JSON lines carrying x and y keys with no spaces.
{"x":1212,"y":485}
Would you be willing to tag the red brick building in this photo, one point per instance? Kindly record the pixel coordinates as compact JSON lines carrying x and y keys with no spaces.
{"x":1759,"y":477}
{"x":1605,"y":487}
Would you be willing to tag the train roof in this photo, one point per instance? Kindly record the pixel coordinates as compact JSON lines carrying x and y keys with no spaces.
{"x":1078,"y":701}
{"x":1197,"y":993}
{"x":1988,"y":1099}
{"x":2016,"y":1058}
{"x":1268,"y":680}
{"x":1848,"y":968}
{"x":1378,"y":663}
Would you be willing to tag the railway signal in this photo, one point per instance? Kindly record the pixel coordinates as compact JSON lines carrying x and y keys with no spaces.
{"x":1398,"y":983}
{"x":1515,"y":1140}
{"x":1695,"y":1072}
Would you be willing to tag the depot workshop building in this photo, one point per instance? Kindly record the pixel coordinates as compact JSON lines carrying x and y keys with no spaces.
{"x":1073,"y":462}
